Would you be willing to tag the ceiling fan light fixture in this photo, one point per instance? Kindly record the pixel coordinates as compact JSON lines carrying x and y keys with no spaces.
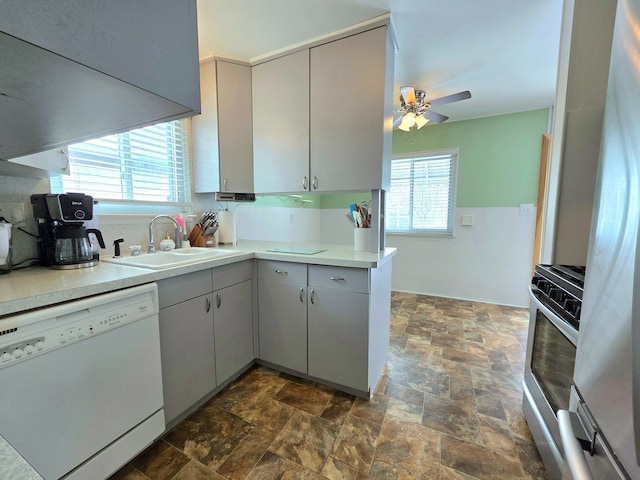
{"x":421,"y":121}
{"x":409,"y":120}
{"x":403,"y":127}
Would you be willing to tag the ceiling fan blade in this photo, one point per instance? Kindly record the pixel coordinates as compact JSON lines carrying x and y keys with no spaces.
{"x":456,"y":97}
{"x":434,"y":117}
{"x":397,"y":123}
{"x":409,"y":94}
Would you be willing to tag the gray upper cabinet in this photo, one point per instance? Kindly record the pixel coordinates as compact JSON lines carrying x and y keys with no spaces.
{"x":322,"y":117}
{"x":351,"y":111}
{"x":222,"y":134}
{"x":280,"y":92}
{"x":74,"y":70}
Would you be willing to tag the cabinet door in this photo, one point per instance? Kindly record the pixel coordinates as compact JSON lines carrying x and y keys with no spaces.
{"x":222,"y":133}
{"x":350,"y":120}
{"x":280,"y":91}
{"x":283,"y":324}
{"x":187,"y":354}
{"x":233,"y":326}
{"x":235,"y":127}
{"x":204,"y":131}
{"x":339,"y":336}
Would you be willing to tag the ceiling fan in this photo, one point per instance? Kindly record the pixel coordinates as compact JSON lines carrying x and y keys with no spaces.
{"x":416,"y":109}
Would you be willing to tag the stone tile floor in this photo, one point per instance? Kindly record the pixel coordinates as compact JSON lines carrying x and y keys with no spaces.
{"x":448,"y":407}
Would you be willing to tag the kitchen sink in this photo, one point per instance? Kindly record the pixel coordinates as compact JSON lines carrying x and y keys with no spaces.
{"x":173,"y":258}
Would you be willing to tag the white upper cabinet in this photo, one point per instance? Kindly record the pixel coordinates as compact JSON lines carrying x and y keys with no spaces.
{"x":222,"y":133}
{"x":280,"y":93}
{"x":74,"y":70}
{"x":351,"y":107}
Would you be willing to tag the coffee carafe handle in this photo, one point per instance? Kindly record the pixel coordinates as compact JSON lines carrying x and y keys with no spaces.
{"x":98,"y":235}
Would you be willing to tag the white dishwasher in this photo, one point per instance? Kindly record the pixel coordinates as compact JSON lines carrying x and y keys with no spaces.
{"x":81,"y":383}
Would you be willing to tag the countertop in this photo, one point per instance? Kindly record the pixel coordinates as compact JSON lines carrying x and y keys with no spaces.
{"x":36,"y":287}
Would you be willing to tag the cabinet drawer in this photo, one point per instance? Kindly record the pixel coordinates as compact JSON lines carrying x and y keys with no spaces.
{"x":288,"y":272}
{"x":183,"y":287}
{"x":343,"y":278}
{"x":231,"y":274}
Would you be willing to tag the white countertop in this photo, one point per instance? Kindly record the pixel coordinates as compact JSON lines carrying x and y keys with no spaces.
{"x":37,"y":287}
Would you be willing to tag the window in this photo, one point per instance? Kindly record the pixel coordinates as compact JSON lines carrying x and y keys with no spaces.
{"x":422,"y":193}
{"x":144,"y":167}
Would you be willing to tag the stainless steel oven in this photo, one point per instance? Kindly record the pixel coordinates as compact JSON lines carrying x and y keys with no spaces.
{"x":556,"y":299}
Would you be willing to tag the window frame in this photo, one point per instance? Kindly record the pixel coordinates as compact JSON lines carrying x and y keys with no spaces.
{"x":425,"y":155}
{"x":112,"y":206}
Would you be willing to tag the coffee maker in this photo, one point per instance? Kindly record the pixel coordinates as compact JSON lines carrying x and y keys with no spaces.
{"x":63,"y":241}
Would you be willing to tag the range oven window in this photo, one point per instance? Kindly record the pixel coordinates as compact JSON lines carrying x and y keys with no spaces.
{"x":552,"y":362}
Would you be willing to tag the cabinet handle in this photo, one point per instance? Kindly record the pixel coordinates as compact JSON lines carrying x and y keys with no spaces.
{"x":311,"y":296}
{"x":315,"y":182}
{"x":66,"y":164}
{"x":282,"y":272}
{"x":304,"y":182}
{"x":218,"y":300}
{"x":207,"y":302}
{"x":337,"y":279}
{"x":226,"y":185}
{"x":302,"y":295}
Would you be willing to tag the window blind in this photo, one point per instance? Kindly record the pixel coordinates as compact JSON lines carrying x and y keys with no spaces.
{"x":422,"y":194}
{"x":149,"y":164}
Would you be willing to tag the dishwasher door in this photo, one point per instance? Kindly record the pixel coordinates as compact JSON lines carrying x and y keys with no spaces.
{"x":65,"y":405}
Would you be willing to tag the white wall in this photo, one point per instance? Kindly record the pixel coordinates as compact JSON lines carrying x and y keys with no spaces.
{"x":488,"y":262}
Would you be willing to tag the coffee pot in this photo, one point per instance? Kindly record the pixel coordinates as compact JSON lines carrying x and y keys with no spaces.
{"x":64,"y":242}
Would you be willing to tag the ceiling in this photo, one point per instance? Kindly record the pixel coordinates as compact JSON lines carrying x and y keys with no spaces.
{"x":504,"y":51}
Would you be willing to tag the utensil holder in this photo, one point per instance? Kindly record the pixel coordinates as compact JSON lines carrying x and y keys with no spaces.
{"x":362,"y":239}
{"x":208,"y":241}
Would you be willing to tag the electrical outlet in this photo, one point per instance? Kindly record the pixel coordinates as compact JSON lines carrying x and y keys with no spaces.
{"x":527,"y":209}
{"x":12,"y":212}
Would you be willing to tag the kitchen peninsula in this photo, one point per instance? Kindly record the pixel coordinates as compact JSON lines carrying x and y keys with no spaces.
{"x":344,"y":297}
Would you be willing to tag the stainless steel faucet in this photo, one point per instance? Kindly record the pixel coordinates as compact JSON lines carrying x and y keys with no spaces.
{"x":177,"y":231}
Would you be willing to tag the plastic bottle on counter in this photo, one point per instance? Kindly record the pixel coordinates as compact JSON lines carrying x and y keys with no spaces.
{"x":167,"y":244}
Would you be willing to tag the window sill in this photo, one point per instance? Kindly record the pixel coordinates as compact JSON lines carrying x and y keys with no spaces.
{"x":421,"y":234}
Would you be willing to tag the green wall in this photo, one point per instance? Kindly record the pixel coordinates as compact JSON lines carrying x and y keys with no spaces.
{"x":498,"y":161}
{"x":499,"y":157}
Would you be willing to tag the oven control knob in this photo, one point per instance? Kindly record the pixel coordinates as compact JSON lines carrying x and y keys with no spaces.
{"x":573,"y":306}
{"x":17,"y":353}
{"x":28,"y":349}
{"x":556,"y":295}
{"x":39,"y":345}
{"x":542,"y":284}
{"x":5,"y":357}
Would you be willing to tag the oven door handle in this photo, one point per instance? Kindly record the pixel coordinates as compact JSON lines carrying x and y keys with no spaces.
{"x":572,"y":449}
{"x":566,"y":329}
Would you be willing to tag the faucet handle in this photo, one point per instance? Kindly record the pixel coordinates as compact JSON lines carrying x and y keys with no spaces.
{"x":116,"y":247}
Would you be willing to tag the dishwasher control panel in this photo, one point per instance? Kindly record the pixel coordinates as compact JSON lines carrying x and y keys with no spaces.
{"x":59,"y":326}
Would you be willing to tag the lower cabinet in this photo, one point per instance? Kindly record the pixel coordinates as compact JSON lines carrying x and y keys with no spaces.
{"x":187,"y":353}
{"x":233,"y":329}
{"x":338,"y":346}
{"x":206,"y":333}
{"x":282,"y":307}
{"x":325,"y":322}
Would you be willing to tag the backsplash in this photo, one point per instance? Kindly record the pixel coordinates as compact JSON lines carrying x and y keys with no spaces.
{"x":19,"y":190}
{"x":273,"y":219}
